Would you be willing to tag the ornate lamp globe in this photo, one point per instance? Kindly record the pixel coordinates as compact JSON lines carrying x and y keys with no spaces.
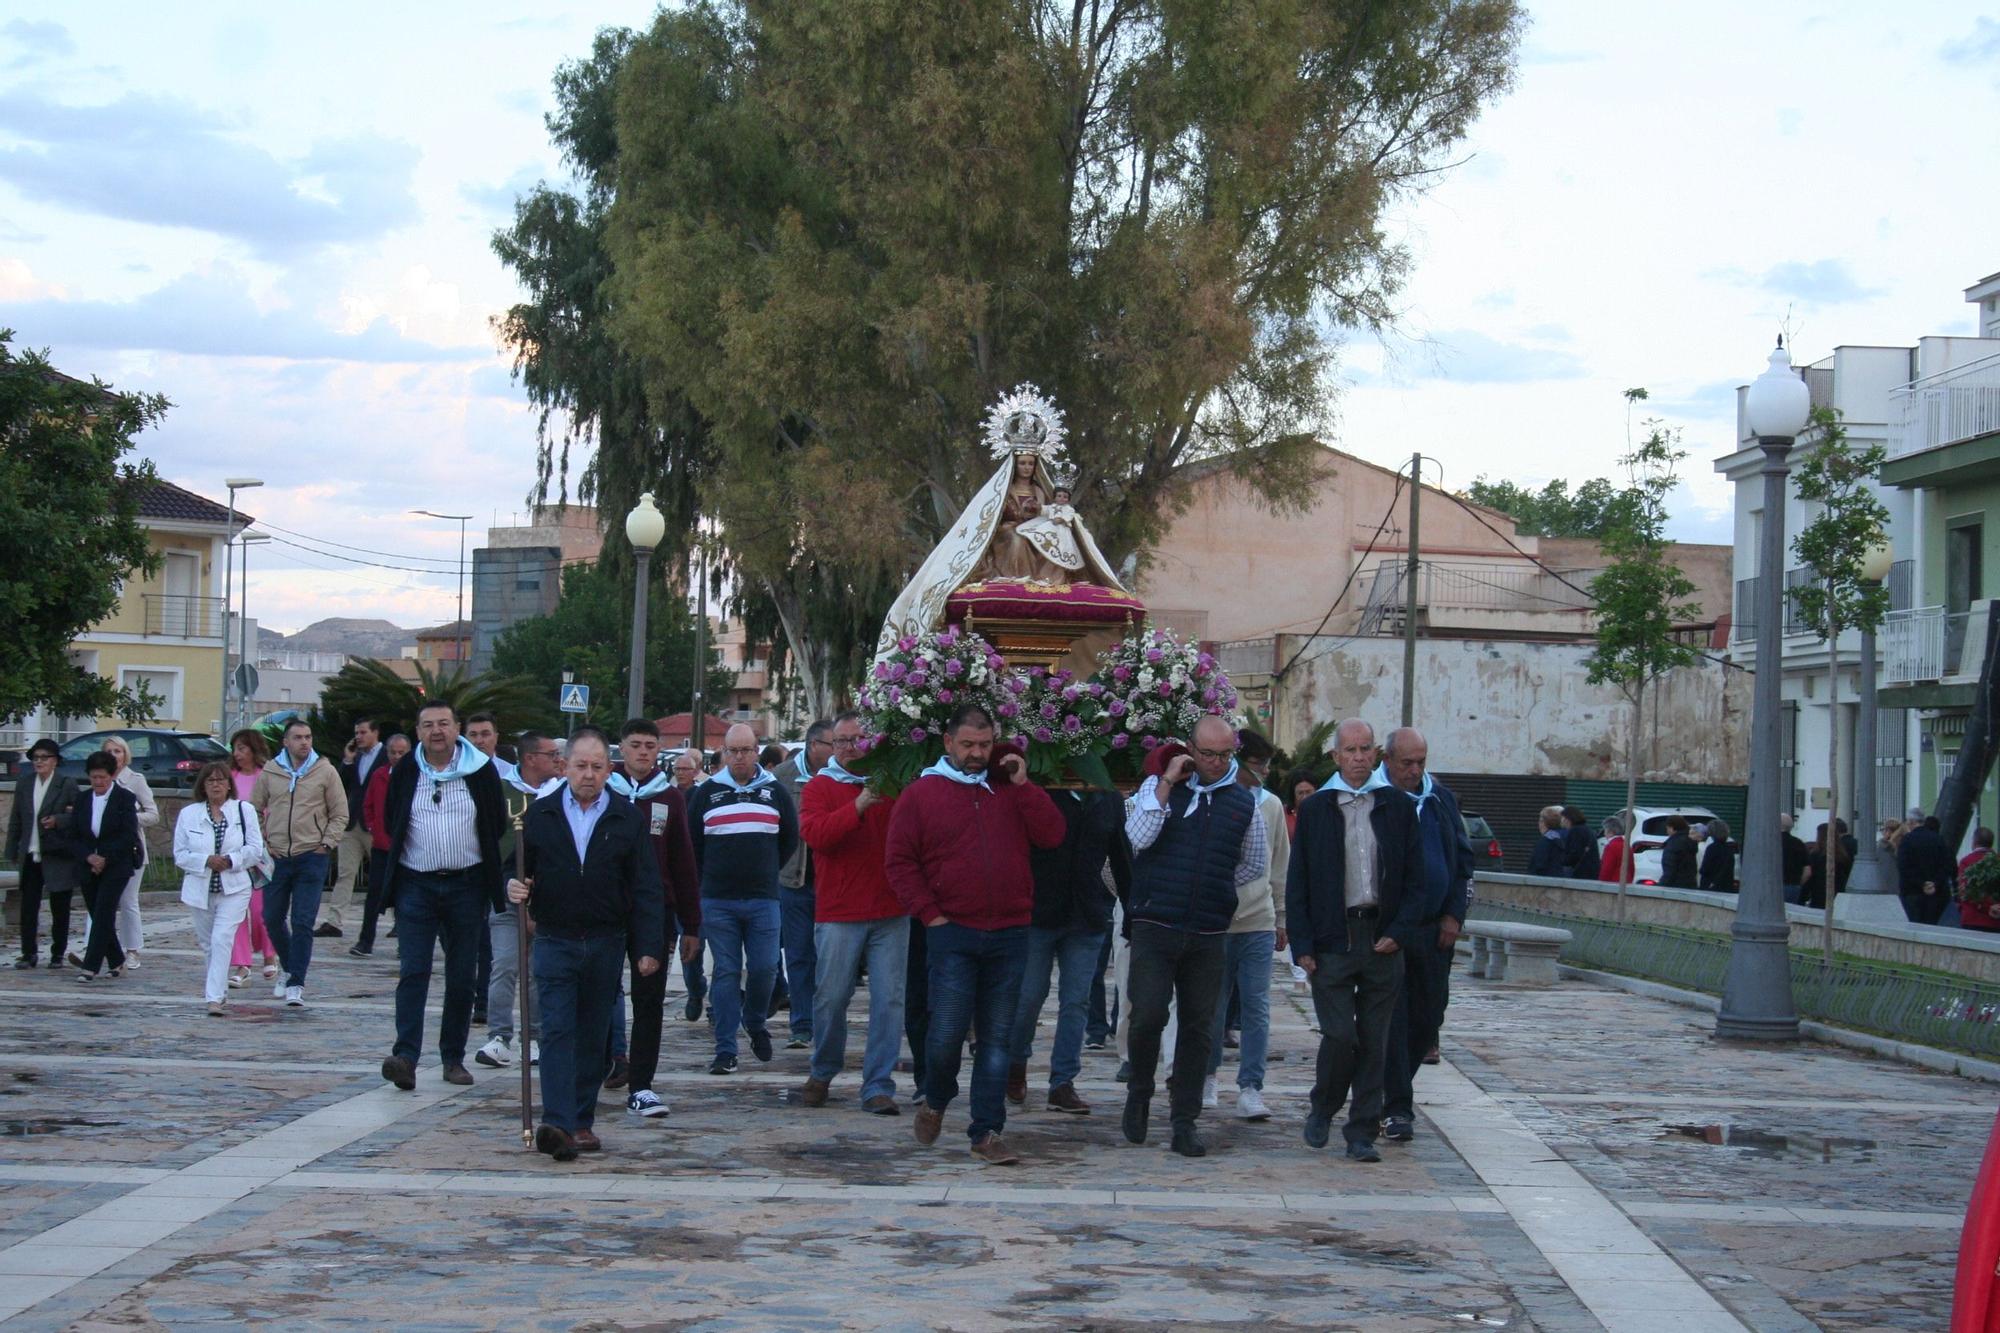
{"x":645,"y":525}
{"x":1778,"y":403}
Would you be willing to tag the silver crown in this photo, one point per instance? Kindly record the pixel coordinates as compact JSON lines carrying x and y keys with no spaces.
{"x":1024,"y":422}
{"x":1062,"y":475}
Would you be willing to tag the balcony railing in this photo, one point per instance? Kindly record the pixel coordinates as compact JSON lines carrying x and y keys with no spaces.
{"x":1923,"y":644}
{"x":1945,"y":408}
{"x":1472,"y":587}
{"x":182,"y":617}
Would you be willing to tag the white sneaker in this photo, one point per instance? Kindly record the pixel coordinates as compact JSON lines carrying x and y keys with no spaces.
{"x":645,"y":1103}
{"x":534,"y":1053}
{"x":494,"y":1054}
{"x":278,"y":987}
{"x":1208,"y":1091}
{"x":295,"y":997}
{"x":1250,"y":1104}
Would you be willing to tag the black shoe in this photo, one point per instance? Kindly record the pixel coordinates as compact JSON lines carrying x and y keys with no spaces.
{"x":760,"y":1045}
{"x":1188,"y":1143}
{"x":694,"y":1007}
{"x":392,"y":932}
{"x":621,"y":1069}
{"x":400,"y":1072}
{"x":327,"y":932}
{"x":361,"y":951}
{"x":1137,"y":1109}
{"x":1124,"y":1074}
{"x":479,"y":1018}
{"x":1399,"y":1129}
{"x":1318,"y":1129}
{"x":1093,"y":1043}
{"x":723,"y":1064}
{"x":1361,"y":1150}
{"x":26,"y":960}
{"x":556,"y":1143}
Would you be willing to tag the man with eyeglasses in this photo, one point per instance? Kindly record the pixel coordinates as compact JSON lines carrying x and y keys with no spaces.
{"x":539,"y":774}
{"x":1196,"y":838}
{"x":795,"y":889}
{"x":744,"y":827}
{"x":41,"y":798}
{"x":447,"y":812}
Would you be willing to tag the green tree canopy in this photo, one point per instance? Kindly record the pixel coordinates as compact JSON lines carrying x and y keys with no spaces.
{"x":70,"y":534}
{"x":1592,"y":510}
{"x":368,"y":688}
{"x":590,"y":633}
{"x":813,"y":241}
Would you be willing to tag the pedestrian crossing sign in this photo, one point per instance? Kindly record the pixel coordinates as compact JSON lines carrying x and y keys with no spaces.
{"x":573,"y":698}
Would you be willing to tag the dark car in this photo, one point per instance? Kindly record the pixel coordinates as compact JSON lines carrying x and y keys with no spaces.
{"x":167,"y":759}
{"x":1486,"y":853}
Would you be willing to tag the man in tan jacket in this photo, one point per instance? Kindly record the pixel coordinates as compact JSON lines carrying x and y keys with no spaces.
{"x":303,"y":809}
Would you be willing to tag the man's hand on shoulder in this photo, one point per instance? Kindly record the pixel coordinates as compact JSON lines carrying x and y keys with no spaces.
{"x":1015,"y":767}
{"x":865,"y":799}
{"x":1178,"y":769}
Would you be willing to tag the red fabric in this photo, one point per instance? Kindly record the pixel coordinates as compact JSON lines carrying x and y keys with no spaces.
{"x":375,"y":806}
{"x":1971,"y":915}
{"x":960,"y":851}
{"x":850,"y":852}
{"x":1021,"y":601}
{"x":1608,"y":865}
{"x":675,"y":854}
{"x":1973,"y":1308}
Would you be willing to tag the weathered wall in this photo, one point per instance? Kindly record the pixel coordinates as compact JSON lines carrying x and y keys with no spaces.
{"x":1511,"y":707}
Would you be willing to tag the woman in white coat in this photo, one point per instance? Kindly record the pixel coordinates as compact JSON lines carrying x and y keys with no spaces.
{"x":130,"y":936}
{"x":216,"y":842}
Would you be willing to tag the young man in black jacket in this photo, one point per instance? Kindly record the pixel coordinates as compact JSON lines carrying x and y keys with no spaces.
{"x":103,"y":836}
{"x":1354,"y":899}
{"x":1072,"y":919}
{"x":446,"y":813}
{"x":593,"y":896}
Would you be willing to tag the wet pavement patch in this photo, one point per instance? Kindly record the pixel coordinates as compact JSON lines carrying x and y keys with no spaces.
{"x":1764,"y":1144}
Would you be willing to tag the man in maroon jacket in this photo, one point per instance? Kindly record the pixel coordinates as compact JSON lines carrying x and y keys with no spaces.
{"x":639,"y":779}
{"x":958,"y":859}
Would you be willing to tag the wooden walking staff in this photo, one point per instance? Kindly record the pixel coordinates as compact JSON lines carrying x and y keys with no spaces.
{"x":524,"y":981}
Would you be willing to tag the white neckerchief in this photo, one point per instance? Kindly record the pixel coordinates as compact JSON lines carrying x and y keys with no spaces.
{"x":1420,"y":795}
{"x":465,"y":761}
{"x":728,"y":779}
{"x":944,"y":768}
{"x":632,"y":791}
{"x":838,"y":774}
{"x":1340,"y":788}
{"x":1198,"y":790}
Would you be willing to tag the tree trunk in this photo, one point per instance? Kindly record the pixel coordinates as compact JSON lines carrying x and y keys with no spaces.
{"x":1631,"y":794}
{"x":1832,"y":782}
{"x":805,"y":650}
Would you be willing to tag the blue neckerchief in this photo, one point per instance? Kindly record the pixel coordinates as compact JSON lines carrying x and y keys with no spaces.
{"x":284,"y":763}
{"x":631,"y":791}
{"x":838,"y":774}
{"x":1338,"y":784}
{"x":944,"y":768}
{"x":799,"y":760}
{"x":467,"y":760}
{"x":728,"y":779}
{"x":1420,"y":795}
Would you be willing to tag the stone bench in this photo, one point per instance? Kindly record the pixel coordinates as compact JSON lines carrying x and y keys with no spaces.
{"x":1511,"y":951}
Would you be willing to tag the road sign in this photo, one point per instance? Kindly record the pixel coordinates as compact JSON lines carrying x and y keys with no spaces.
{"x":246,"y":681}
{"x":573,"y":698}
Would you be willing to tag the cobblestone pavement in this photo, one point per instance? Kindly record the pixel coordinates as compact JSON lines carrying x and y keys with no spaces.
{"x":1586,"y":1159}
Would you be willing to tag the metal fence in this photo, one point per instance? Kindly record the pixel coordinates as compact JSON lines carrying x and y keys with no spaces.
{"x":1931,"y":1008}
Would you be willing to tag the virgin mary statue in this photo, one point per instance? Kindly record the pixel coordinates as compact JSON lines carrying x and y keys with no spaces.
{"x":1004,"y":536}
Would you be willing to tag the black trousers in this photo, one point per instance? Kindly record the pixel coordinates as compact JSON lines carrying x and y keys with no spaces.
{"x":649,"y":1005}
{"x":100,"y":894}
{"x":917,"y":1000}
{"x":374,"y":906}
{"x":1186,"y":968}
{"x":32,"y":892}
{"x":1354,"y":996}
{"x":1413,"y":1029}
{"x":1102,"y":1016}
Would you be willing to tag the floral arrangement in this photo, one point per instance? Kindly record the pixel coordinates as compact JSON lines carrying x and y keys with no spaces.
{"x":1980,"y":885}
{"x":1157,"y":687}
{"x":1064,"y":724}
{"x":913,"y":691}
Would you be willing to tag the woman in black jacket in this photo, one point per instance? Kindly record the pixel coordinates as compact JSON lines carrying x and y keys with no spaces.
{"x":1718,"y":861}
{"x":1580,"y":854}
{"x":1677,"y":857}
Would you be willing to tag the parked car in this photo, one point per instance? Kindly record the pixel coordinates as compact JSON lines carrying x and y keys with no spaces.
{"x":1653,"y":836}
{"x":1486,"y":851}
{"x":168,"y":759}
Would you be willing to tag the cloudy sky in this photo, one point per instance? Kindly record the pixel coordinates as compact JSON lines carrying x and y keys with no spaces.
{"x":283,"y":226}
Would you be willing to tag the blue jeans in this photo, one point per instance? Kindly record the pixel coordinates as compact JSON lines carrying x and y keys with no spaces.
{"x":1246,"y":965}
{"x":1076,"y":952}
{"x":975,"y":976}
{"x":841,"y":946}
{"x":293,"y":894}
{"x":742,"y":933}
{"x":795,"y":908}
{"x":576,"y":985}
{"x":430,"y":909}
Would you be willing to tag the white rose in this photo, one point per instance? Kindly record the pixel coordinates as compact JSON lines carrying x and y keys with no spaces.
{"x":912,"y":708}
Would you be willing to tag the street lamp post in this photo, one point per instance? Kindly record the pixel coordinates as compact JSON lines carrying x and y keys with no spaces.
{"x":463,"y":634}
{"x":644,"y":527}
{"x":243,"y":688}
{"x":1868,"y":897}
{"x":1757,"y":992}
{"x":234,"y":484}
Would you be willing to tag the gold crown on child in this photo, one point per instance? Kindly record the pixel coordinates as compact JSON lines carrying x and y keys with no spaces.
{"x":1024,"y":421}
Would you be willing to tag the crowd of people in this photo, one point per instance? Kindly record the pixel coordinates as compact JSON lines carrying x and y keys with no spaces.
{"x":960,"y":902}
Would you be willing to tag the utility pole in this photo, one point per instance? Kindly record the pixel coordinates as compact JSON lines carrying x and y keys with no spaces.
{"x":1410,"y":599}
{"x":698,"y":716}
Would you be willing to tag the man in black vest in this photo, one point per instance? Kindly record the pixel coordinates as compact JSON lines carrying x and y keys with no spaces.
{"x":1195,"y":836}
{"x":1354,"y":895}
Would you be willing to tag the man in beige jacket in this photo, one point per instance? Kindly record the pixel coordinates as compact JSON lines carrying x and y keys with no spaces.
{"x":303,"y":810}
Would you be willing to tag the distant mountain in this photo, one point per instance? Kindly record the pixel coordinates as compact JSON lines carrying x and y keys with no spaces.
{"x":360,"y":638}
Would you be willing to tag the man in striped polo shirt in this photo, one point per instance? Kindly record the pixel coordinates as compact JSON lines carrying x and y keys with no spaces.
{"x":744,"y":828}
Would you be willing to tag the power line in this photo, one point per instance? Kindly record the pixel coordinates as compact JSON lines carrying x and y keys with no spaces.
{"x":497,"y":566}
{"x":1353,"y":570}
{"x":365,"y":550}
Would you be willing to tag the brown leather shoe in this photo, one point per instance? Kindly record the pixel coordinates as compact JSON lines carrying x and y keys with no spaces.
{"x":993,"y":1151}
{"x":814,"y":1092}
{"x":587,"y":1141}
{"x":881,"y":1104}
{"x":456,"y":1074}
{"x":1017,"y":1084}
{"x":929,"y":1122}
{"x":1065,"y":1099}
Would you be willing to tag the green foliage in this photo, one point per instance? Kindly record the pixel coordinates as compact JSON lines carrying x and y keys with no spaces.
{"x":1641,"y":594}
{"x":1592,"y":510}
{"x":70,"y":535}
{"x":590,"y":633}
{"x":823,"y":237}
{"x":1851,"y":521}
{"x":1309,"y":757}
{"x":368,"y":688}
{"x":1981,"y":884}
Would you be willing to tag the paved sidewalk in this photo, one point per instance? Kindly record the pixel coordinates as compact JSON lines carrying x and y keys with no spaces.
{"x":1586,"y":1159}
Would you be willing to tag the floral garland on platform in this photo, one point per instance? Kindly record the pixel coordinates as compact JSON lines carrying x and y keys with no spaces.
{"x":1157,"y":688}
{"x":913,"y":691}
